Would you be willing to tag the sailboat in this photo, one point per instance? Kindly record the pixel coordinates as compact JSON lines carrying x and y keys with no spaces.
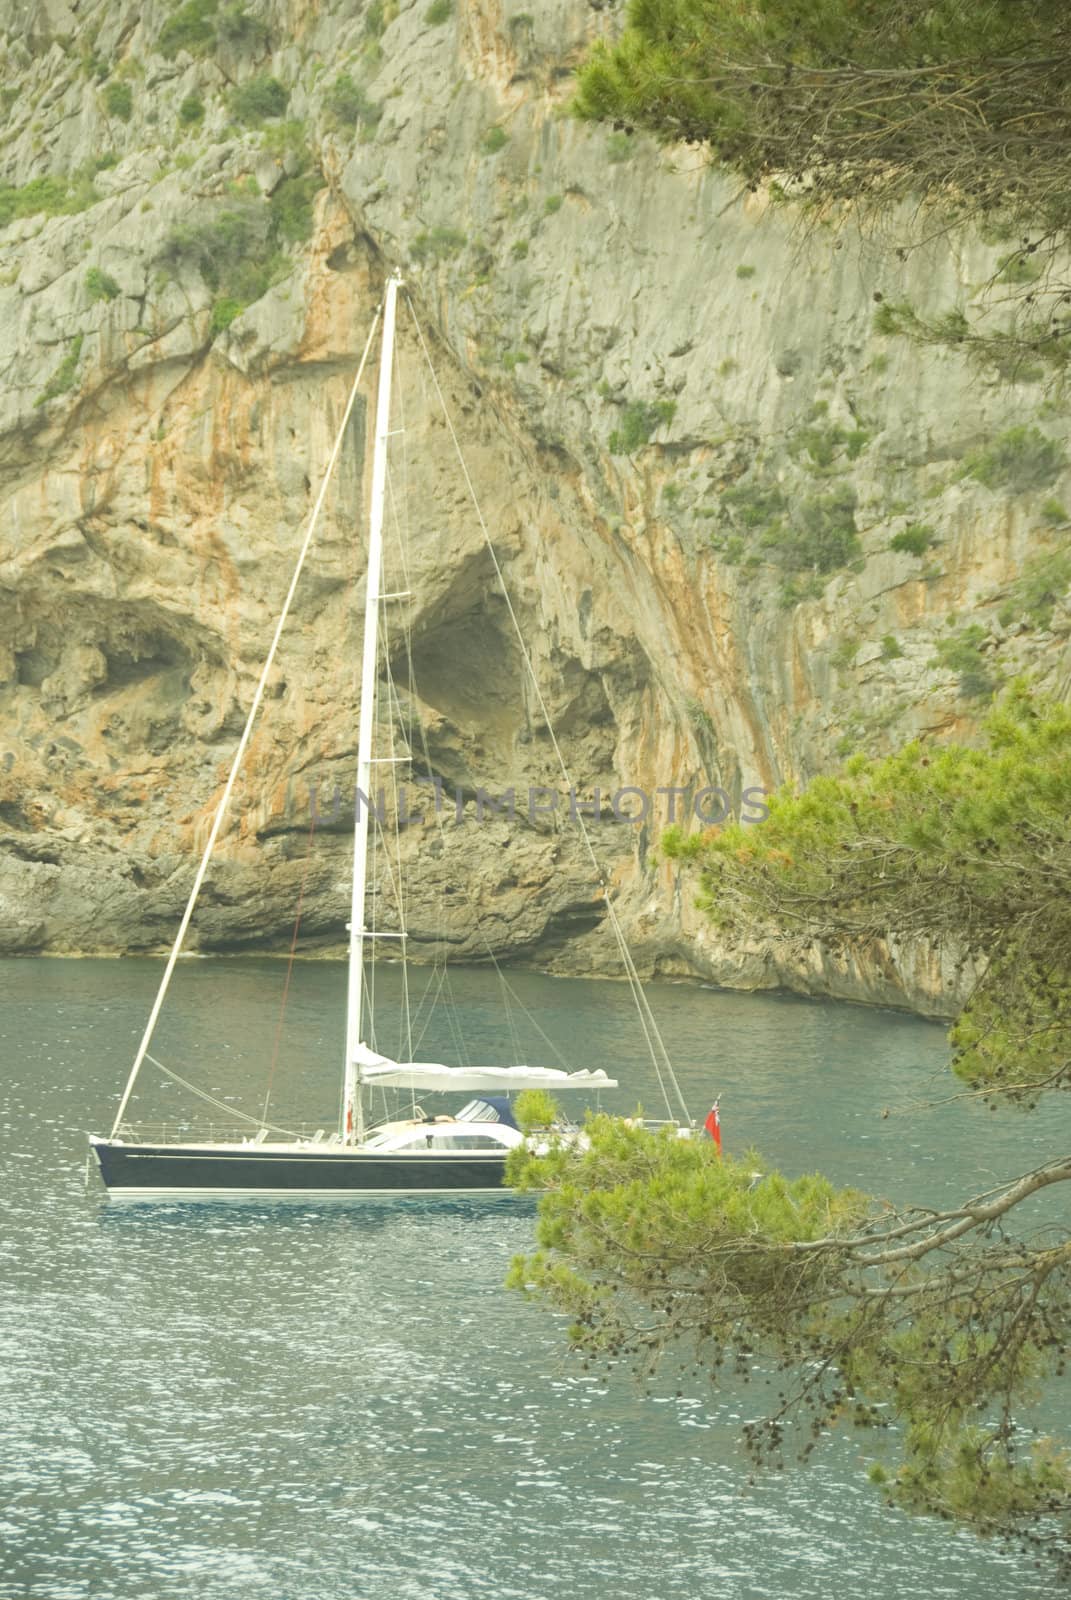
{"x":451,"y":1153}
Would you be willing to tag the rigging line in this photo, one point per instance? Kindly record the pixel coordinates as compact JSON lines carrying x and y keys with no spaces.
{"x":370,"y":961}
{"x":424,"y":1021}
{"x":221,"y":809}
{"x":416,"y":722}
{"x":454,"y":1022}
{"x":511,"y":999}
{"x":507,"y":988}
{"x":655,"y":1045}
{"x":289,"y":968}
{"x":663,"y":1067}
{"x":475,"y":910}
{"x":402,"y":530}
{"x":390,"y":881}
{"x":220,"y":1105}
{"x":396,"y":870}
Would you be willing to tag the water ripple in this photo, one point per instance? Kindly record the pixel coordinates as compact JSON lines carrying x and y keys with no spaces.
{"x":313,"y":1402}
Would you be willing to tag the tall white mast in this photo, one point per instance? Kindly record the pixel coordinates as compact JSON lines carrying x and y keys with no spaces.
{"x":352,"y":1128}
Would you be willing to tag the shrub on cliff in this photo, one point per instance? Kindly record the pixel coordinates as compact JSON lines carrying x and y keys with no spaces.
{"x":1021,"y":459}
{"x":818,"y":534}
{"x":914,"y":540}
{"x":119,"y":101}
{"x":241,"y":30}
{"x":54,"y":195}
{"x":291,"y":206}
{"x":63,"y":379}
{"x":234,"y":248}
{"x":639,"y":420}
{"x":1042,"y":584}
{"x":101,"y":285}
{"x":257,"y":100}
{"x":192,"y":28}
{"x":437,"y":244}
{"x":962,"y":653}
{"x":348,"y":106}
{"x":238,"y":245}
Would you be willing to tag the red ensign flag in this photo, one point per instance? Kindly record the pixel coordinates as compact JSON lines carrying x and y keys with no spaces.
{"x":713,"y":1125}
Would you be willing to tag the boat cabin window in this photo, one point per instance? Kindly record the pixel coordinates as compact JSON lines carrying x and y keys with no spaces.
{"x":455,"y":1138}
{"x":466,"y":1141}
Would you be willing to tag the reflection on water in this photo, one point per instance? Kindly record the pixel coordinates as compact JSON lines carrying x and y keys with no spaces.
{"x":334,"y":1402}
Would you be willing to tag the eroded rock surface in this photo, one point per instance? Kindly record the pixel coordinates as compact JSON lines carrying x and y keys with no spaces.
{"x":653,"y":376}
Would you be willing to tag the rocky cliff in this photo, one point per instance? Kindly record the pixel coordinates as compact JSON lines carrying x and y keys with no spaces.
{"x":744,"y":530}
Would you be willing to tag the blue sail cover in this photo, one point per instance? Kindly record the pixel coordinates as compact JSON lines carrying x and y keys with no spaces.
{"x":501,"y":1104}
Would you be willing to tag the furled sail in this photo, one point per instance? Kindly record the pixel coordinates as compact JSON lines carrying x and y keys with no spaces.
{"x":433,"y":1075}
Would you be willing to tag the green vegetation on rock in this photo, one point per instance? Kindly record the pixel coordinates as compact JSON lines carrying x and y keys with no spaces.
{"x":349,"y":106}
{"x":227,"y":240}
{"x":51,"y":196}
{"x":62,"y":380}
{"x":823,"y":444}
{"x":239,"y":28}
{"x":238,"y":244}
{"x":199,"y":25}
{"x":224,"y":312}
{"x":101,"y":285}
{"x":438,"y":12}
{"x":292,"y":203}
{"x":437,"y":244}
{"x":754,"y":505}
{"x":1044,"y":580}
{"x":805,"y":536}
{"x":191,"y":111}
{"x":192,"y":28}
{"x":639,"y":420}
{"x":257,"y":100}
{"x":962,"y":653}
{"x":1021,"y":459}
{"x":914,"y":540}
{"x":118,"y":101}
{"x":378,"y":16}
{"x":845,"y":653}
{"x":817,"y":534}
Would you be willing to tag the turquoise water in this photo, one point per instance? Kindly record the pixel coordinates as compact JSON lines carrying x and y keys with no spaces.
{"x":313,"y":1402}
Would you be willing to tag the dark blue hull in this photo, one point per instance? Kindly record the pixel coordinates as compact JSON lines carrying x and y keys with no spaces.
{"x":168,"y":1170}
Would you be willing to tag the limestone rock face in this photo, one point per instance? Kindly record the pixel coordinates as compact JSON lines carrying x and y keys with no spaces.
{"x":663,"y":390}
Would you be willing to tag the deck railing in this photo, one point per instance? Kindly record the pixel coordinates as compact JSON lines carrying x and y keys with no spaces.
{"x":216,"y":1133}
